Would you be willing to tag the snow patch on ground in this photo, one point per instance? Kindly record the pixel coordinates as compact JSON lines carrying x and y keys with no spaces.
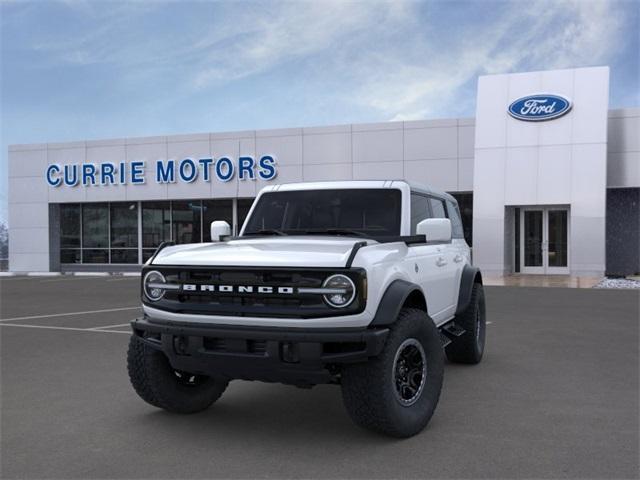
{"x":618,"y":283}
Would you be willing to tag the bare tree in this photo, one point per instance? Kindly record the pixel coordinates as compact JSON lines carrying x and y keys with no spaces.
{"x":4,"y":241}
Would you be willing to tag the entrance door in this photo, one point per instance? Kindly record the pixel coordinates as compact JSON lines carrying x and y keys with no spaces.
{"x":544,"y":240}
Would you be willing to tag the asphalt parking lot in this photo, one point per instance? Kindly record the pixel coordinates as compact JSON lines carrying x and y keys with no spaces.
{"x":555,"y":397}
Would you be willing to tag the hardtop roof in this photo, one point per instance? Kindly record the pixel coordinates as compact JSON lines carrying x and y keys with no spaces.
{"x":343,"y":184}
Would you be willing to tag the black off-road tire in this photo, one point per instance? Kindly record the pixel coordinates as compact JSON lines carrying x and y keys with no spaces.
{"x":469,"y":347}
{"x":158,"y":384}
{"x":369,"y":389}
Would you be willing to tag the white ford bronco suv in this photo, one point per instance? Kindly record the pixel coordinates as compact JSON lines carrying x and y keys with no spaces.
{"x":363,"y":284}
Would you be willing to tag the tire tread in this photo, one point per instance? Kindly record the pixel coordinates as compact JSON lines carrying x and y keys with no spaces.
{"x":463,"y":349}
{"x":366,"y":395}
{"x":151,"y":377}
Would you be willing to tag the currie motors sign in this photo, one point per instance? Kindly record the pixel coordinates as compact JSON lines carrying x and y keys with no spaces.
{"x":188,"y":170}
{"x":537,"y":108}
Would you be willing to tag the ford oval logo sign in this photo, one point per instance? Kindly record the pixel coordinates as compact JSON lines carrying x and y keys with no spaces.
{"x":536,"y":108}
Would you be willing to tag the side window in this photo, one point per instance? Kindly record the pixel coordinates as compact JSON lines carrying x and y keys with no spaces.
{"x":419,"y":210}
{"x":437,"y":207}
{"x":456,"y":223}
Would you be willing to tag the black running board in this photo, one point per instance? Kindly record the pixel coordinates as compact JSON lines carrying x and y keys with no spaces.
{"x":449,"y":332}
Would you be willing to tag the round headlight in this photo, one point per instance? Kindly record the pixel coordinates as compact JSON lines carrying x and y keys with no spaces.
{"x":342,"y":293}
{"x":152,"y":285}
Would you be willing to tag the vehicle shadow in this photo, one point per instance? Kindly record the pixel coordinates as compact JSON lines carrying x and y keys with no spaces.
{"x":255,"y":414}
{"x":266,"y":412}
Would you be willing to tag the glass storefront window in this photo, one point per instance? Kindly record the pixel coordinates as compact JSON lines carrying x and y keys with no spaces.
{"x":127,"y":255}
{"x":70,"y":255}
{"x":124,"y":225}
{"x":186,"y":221}
{"x":95,"y":256}
{"x":108,"y":232}
{"x":95,"y":226}
{"x":156,"y":223}
{"x":70,"y":238}
{"x":517,"y":240}
{"x":215,"y":210}
{"x":558,"y":238}
{"x":70,"y":226}
{"x":533,"y":238}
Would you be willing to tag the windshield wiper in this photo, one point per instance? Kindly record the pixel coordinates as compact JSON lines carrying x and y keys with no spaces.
{"x":267,"y":231}
{"x":338,"y":231}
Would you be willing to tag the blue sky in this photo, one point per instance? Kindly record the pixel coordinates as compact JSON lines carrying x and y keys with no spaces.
{"x":75,"y":70}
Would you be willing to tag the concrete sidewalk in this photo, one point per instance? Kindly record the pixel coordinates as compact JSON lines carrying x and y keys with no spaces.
{"x":556,"y":281}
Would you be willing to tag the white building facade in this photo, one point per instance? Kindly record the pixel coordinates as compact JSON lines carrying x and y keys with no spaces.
{"x":547,"y":177}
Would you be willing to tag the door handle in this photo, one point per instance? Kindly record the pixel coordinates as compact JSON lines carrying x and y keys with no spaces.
{"x":458,"y":258}
{"x":441,"y":262}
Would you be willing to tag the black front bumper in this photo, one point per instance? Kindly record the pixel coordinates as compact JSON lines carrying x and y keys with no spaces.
{"x":294,"y":356}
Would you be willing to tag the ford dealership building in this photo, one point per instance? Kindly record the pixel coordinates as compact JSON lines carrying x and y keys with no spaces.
{"x":547,"y":178}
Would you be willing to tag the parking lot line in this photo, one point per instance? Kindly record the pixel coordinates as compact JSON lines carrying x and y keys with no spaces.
{"x":87,"y":312}
{"x":111,"y":326}
{"x":47,"y":327}
{"x":71,"y":279}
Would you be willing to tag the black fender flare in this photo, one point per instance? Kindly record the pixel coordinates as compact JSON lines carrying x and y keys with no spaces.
{"x":393,"y":300}
{"x":470,"y":275}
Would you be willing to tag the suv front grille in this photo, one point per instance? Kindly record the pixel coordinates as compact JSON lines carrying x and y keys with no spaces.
{"x":288,"y":304}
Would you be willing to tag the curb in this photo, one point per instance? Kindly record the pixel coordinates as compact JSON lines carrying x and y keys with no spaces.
{"x":90,"y":274}
{"x":69,"y":274}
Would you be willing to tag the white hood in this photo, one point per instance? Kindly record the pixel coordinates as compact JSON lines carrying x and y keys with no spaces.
{"x":289,"y":251}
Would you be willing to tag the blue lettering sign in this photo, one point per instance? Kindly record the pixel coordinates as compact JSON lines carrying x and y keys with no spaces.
{"x":106,"y":173}
{"x":166,"y":171}
{"x":71,"y":175}
{"x":165,"y":174}
{"x":88,"y":174}
{"x":137,"y":173}
{"x":224,"y":169}
{"x":206,"y":168}
{"x":246,"y":167}
{"x":51,"y":180}
{"x":189,"y":174}
{"x":123,"y":173}
{"x":267,"y":168}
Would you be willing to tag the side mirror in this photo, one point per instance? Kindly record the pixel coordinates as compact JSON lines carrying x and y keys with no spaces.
{"x":219,"y":229}
{"x":435,"y":229}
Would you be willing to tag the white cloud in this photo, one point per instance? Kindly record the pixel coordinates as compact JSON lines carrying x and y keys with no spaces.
{"x":389,"y":56}
{"x":287,"y":32}
{"x":213,"y":44}
{"x":539,"y":35}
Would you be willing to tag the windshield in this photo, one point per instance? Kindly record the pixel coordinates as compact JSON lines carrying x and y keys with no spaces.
{"x":359,"y":212}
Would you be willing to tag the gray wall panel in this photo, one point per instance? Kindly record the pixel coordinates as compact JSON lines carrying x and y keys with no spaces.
{"x":623,"y":231}
{"x":623,"y":164}
{"x":54,"y":237}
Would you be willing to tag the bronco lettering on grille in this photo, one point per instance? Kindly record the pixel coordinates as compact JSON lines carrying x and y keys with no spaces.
{"x":192,"y":287}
